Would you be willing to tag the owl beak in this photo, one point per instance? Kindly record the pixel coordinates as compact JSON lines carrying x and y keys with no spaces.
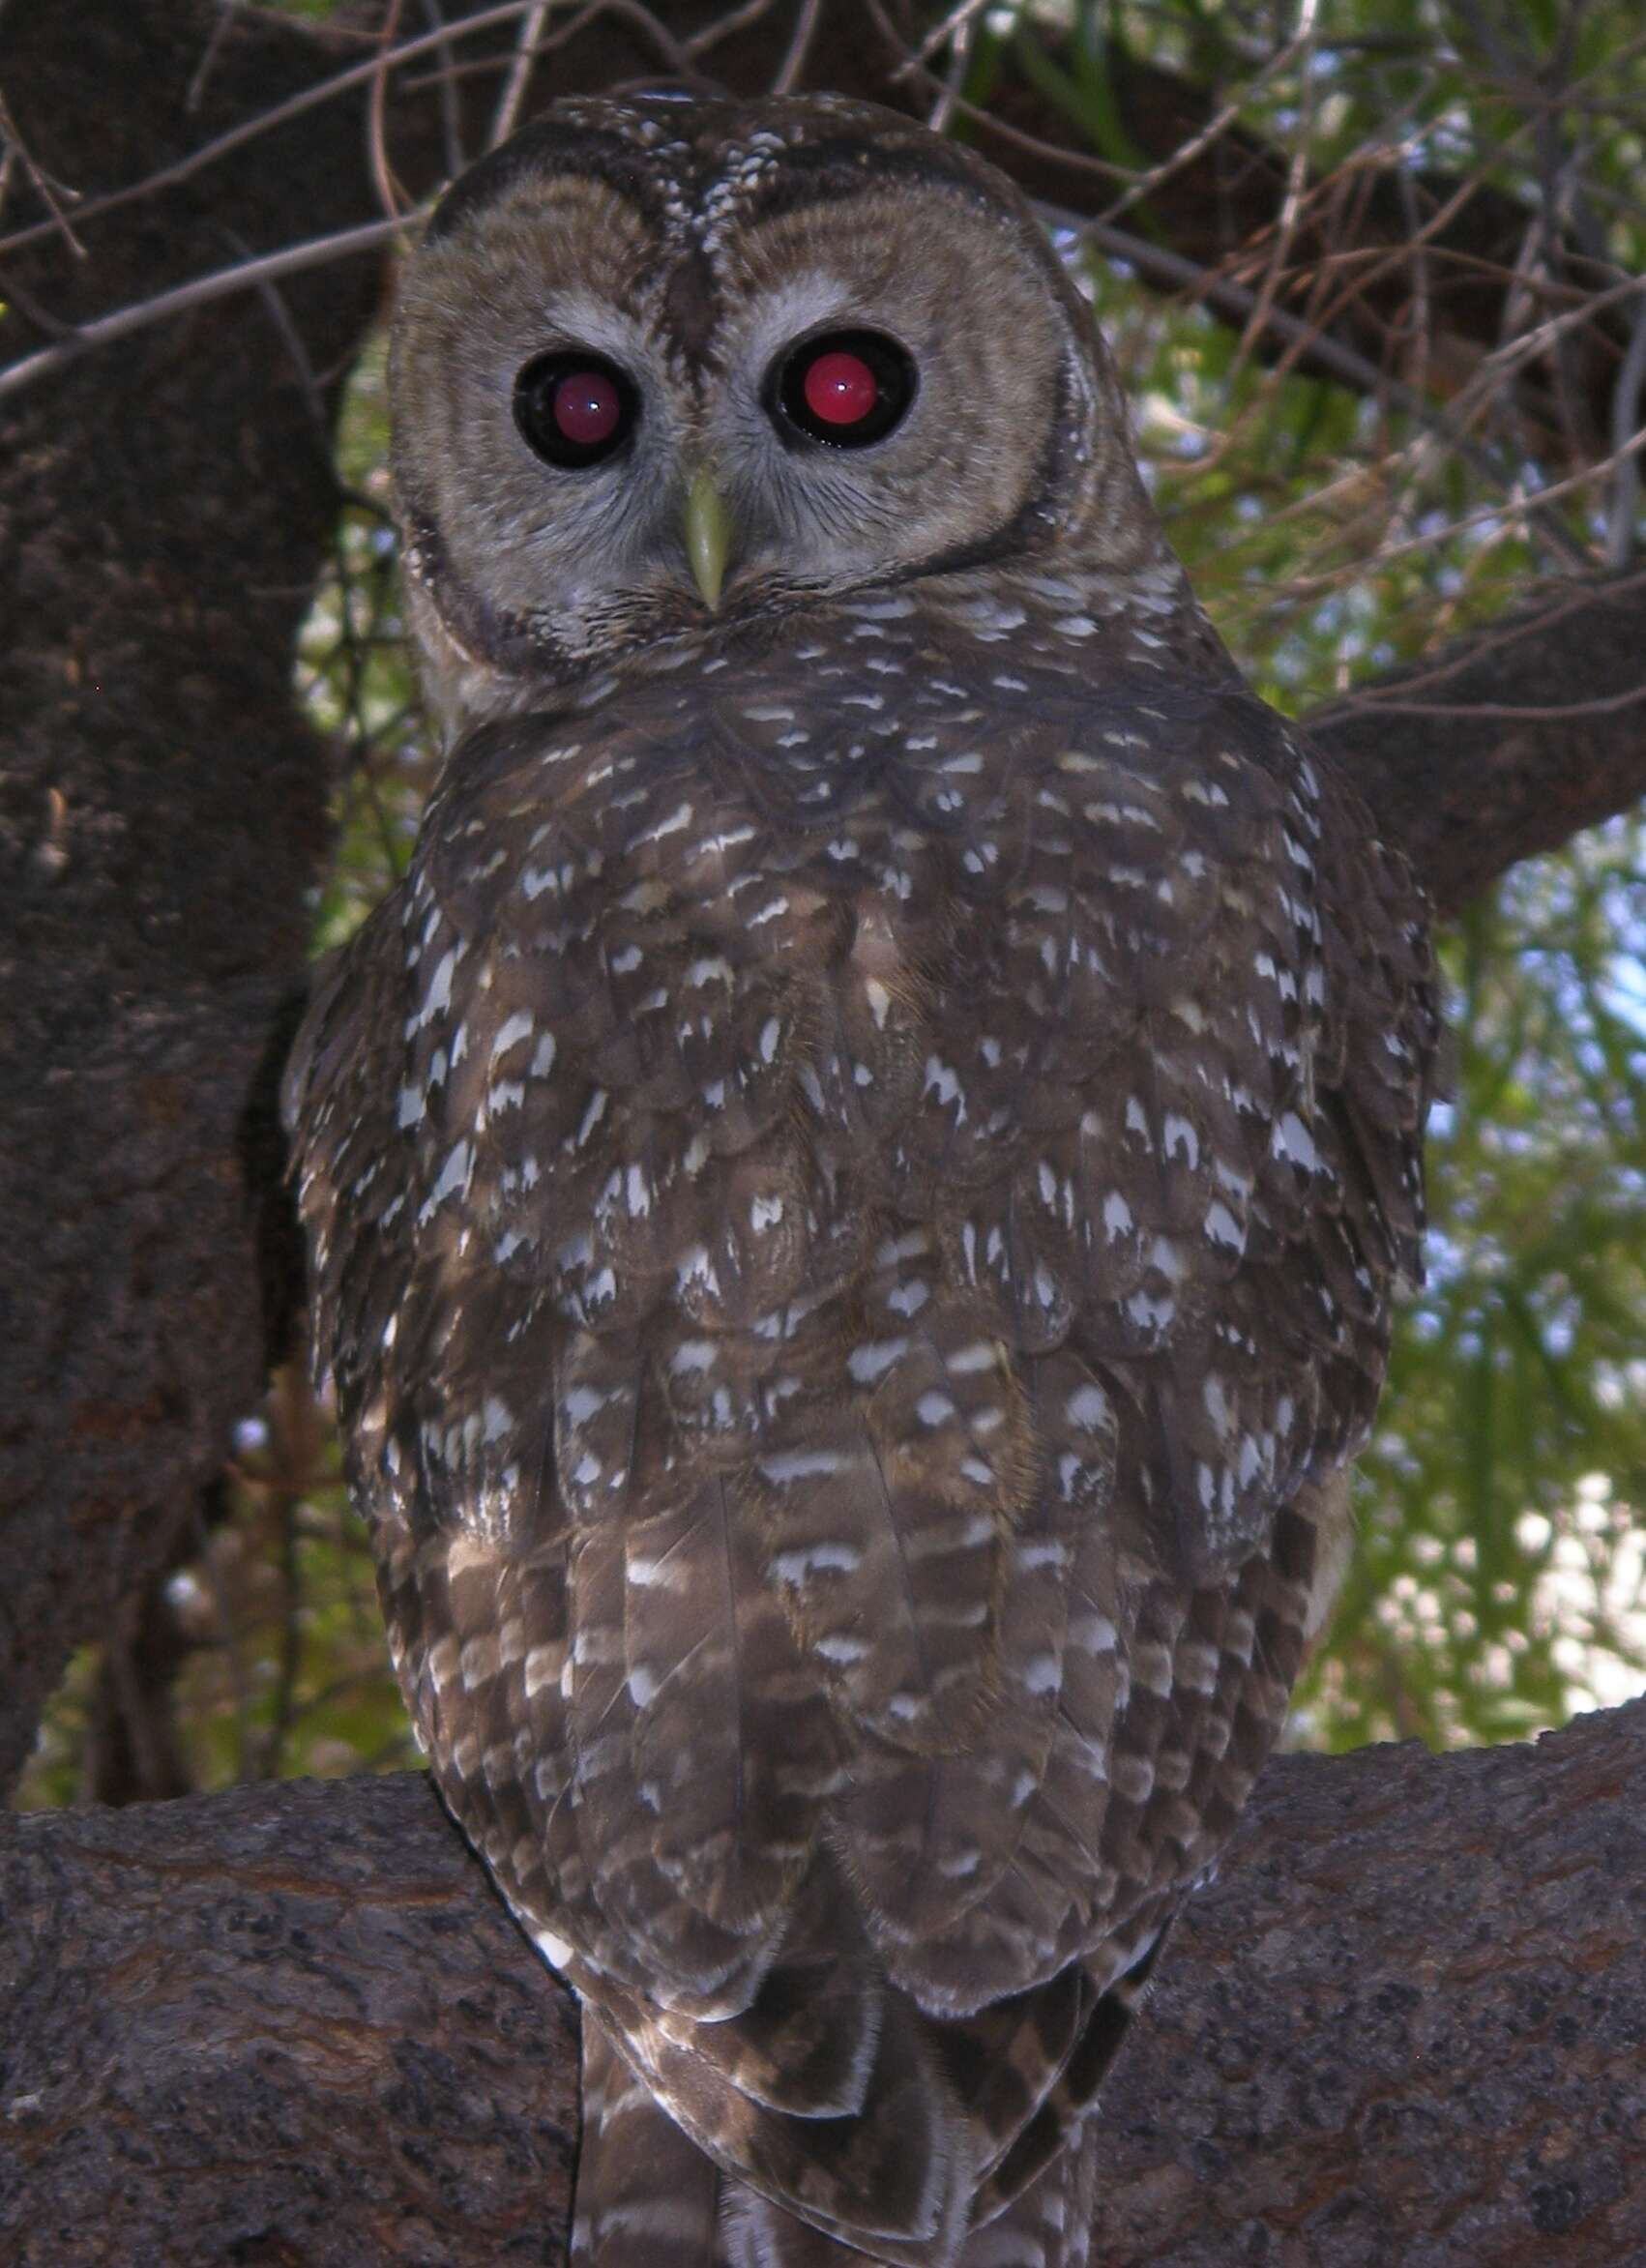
{"x":708,"y":535}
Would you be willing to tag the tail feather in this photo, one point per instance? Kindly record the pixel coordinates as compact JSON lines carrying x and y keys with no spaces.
{"x":897,"y":2176}
{"x":1049,"y":2134}
{"x":758,"y":2234}
{"x":965,"y":2151}
{"x":647,"y":2197}
{"x":643,"y":2193}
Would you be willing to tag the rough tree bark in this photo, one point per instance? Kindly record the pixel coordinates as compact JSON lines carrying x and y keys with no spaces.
{"x":315,"y":1979}
{"x":293,"y":2028}
{"x":163,"y":514}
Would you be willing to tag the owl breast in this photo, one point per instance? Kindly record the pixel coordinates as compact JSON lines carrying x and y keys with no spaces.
{"x":856,"y":1236}
{"x":823,"y":1140}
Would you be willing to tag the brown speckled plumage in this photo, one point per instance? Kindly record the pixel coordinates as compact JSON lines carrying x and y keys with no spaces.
{"x":854,"y":1190}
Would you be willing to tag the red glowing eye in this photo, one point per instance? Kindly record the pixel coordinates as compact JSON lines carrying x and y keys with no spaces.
{"x":845,"y":389}
{"x":587,"y":409}
{"x":573,"y":409}
{"x":839,"y":389}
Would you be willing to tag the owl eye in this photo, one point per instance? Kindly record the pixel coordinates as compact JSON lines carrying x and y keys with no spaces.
{"x":845,"y":388}
{"x":575,"y":408}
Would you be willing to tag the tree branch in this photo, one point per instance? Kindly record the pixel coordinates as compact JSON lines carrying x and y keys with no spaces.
{"x":1508,"y":742}
{"x":294,"y":2024}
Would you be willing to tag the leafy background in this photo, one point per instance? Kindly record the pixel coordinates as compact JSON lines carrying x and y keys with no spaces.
{"x":1498,"y":1584}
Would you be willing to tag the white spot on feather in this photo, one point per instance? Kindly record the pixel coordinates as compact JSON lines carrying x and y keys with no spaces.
{"x":867,"y":1362}
{"x":797,"y":1567}
{"x":1293,"y":1140}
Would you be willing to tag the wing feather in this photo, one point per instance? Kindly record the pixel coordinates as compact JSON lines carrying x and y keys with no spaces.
{"x":848,"y":1295}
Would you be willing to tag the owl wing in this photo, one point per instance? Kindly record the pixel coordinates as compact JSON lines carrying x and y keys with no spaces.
{"x":853,"y":1247}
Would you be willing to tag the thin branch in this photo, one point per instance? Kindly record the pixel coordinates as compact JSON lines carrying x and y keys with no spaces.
{"x":1476,"y":648}
{"x":958,"y":22}
{"x":39,"y":180}
{"x":184,"y":169}
{"x":1508,"y":712}
{"x":1625,"y":426}
{"x":198,"y":291}
{"x":519,"y":72}
{"x":727,"y":26}
{"x":225,"y":22}
{"x":1292,"y":204}
{"x":799,"y":47}
{"x":1235,"y":301}
{"x":1076,"y":161}
{"x":451,"y":109}
{"x":291,"y":339}
{"x":376,"y":131}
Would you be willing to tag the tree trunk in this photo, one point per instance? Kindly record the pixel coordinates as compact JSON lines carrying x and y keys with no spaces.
{"x":294,"y":2025}
{"x":165,"y":510}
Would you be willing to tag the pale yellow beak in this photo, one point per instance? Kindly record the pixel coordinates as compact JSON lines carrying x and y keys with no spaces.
{"x":708,"y":535}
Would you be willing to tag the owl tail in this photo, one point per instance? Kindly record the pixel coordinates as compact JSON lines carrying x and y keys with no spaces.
{"x":647,"y":2197}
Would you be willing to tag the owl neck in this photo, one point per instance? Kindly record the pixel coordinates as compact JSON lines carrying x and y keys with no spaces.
{"x":1057,"y":608}
{"x":1083,"y":618}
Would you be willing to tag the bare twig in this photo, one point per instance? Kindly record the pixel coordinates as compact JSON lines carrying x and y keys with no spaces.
{"x":451,"y":109}
{"x":1479,"y":647}
{"x":1236,"y":302}
{"x":280,"y":114}
{"x":1506,"y":712}
{"x":382,"y":173}
{"x":1292,"y":204}
{"x":519,"y":72}
{"x":46,"y":190}
{"x":220,"y":31}
{"x":726,"y":26}
{"x":291,"y":339}
{"x":1075,"y":160}
{"x":1627,"y":407}
{"x":799,"y":47}
{"x":958,"y":20}
{"x":198,"y":291}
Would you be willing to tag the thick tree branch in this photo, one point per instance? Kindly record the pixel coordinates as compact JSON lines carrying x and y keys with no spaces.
{"x":1506,"y":742}
{"x":294,"y":2025}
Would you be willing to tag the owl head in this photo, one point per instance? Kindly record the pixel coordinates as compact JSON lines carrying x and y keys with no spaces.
{"x":665,"y":370}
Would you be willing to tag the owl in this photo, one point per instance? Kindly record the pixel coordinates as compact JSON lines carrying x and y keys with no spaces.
{"x":854,"y":1188}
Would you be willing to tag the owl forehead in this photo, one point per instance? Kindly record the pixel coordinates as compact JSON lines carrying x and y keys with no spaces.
{"x":696,"y":169}
{"x":693,"y":180}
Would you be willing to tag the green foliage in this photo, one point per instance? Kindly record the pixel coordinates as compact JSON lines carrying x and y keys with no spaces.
{"x":1498,"y":1582}
{"x":355,"y":677}
{"x":306,"y":11}
{"x":283,"y":1666}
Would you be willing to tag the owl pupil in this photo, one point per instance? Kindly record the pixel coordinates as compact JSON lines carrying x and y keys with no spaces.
{"x":839,"y":389}
{"x":845,"y":390}
{"x":586,"y":408}
{"x":574,"y":409}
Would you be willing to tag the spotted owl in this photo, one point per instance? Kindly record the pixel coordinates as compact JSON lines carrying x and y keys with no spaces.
{"x":854,"y":1187}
